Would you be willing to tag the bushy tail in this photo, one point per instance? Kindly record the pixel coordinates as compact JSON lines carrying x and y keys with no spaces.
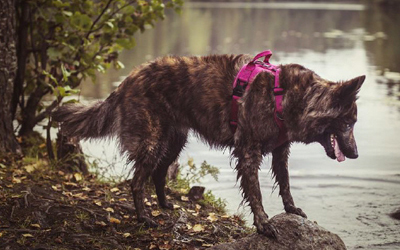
{"x":94,"y":121}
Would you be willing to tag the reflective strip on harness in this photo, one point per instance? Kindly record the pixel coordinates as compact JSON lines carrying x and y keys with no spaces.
{"x":242,"y":82}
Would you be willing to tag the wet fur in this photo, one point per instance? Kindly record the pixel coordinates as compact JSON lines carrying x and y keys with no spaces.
{"x":154,"y":108}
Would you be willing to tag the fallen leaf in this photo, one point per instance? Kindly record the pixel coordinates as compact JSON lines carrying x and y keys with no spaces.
{"x":126,"y":216}
{"x":10,"y":185}
{"x":101,"y":223}
{"x":55,"y":188}
{"x":16,"y":180}
{"x":115,"y":189}
{"x":206,"y":245}
{"x":225,"y":216}
{"x":147,"y":204}
{"x":188,"y":226}
{"x":211,"y":217}
{"x":152,"y":246}
{"x":97,"y":202}
{"x":122,"y":199}
{"x":60,"y":172}
{"x":184,"y":198}
{"x":115,"y":220}
{"x":42,"y":145}
{"x":198,"y":228}
{"x":78,"y":176}
{"x":68,"y":183}
{"x":109,"y":209}
{"x":191,"y":211}
{"x":126,"y":235}
{"x":176,"y":206}
{"x":35,"y":225}
{"x":30,"y":168}
{"x":198,"y":207}
{"x":86,"y":189}
{"x":155,"y":213}
{"x":27,"y":235}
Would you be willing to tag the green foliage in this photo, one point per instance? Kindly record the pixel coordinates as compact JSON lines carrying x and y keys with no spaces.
{"x":66,"y":41}
{"x":190,"y":174}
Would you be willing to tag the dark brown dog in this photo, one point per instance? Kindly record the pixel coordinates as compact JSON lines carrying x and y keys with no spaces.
{"x":153,"y":109}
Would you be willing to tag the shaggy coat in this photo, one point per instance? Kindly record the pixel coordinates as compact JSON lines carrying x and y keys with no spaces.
{"x":154,"y":108}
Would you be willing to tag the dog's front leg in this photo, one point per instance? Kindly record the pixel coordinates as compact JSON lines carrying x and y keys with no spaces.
{"x":280,"y":157}
{"x":247,"y":168}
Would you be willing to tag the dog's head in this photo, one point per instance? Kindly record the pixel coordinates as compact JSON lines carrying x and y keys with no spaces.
{"x":330,"y":116}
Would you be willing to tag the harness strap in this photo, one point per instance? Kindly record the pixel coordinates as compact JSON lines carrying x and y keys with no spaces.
{"x":242,"y":82}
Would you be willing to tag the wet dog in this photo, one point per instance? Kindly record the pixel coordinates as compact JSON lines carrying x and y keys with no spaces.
{"x":155,"y":107}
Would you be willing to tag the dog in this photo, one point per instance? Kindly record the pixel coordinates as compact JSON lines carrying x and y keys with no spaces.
{"x":154,"y":108}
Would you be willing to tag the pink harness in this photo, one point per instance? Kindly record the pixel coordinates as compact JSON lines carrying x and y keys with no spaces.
{"x":242,"y":82}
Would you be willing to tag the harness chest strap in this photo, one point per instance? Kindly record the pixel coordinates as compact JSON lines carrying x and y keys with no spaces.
{"x":242,"y":82}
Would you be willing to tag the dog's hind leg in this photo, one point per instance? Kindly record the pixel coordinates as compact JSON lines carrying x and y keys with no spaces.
{"x":247,"y":167}
{"x":174,"y":147}
{"x":280,"y":170}
{"x":141,"y":174}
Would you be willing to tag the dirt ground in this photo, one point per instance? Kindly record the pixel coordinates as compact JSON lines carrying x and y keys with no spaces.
{"x":45,"y":208}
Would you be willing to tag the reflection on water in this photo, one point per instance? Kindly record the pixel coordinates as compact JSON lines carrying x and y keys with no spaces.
{"x":352,"y":198}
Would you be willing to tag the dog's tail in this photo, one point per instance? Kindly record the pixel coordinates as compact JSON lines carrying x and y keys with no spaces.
{"x":94,"y":121}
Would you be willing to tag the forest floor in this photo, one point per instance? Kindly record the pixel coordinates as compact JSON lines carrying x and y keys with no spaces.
{"x":45,"y":208}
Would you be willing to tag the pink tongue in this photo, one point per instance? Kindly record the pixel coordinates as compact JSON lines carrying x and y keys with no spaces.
{"x":338,"y":153}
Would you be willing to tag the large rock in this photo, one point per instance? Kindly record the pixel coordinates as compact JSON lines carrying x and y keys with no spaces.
{"x":294,"y":233}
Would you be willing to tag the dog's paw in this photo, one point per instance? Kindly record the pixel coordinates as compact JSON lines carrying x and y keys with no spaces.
{"x":268,"y":230}
{"x":148,"y":222}
{"x":264,"y":227}
{"x":295,"y":210}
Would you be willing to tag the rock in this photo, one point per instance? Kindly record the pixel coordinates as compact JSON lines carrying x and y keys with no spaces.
{"x":294,"y":232}
{"x":196,"y":193}
{"x":396,"y":214}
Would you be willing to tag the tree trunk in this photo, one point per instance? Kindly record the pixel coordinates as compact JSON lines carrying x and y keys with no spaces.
{"x":8,"y":67}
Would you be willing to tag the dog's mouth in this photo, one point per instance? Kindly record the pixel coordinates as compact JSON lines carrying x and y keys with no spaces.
{"x":332,"y":148}
{"x":335,"y":145}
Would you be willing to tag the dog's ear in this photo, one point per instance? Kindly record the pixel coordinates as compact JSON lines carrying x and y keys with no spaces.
{"x":350,"y":88}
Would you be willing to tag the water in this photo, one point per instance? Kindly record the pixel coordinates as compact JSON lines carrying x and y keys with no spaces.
{"x":353,"y":198}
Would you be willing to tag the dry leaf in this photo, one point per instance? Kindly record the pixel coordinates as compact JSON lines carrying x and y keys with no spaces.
{"x":155,"y":213}
{"x":126,"y":235}
{"x":191,"y":211}
{"x":198,"y":228}
{"x":198,"y":207}
{"x":152,"y":246}
{"x":101,"y":223}
{"x":147,"y":204}
{"x":176,"y":206}
{"x":35,"y":225}
{"x":109,"y":209}
{"x":55,"y":188}
{"x":97,"y":202}
{"x":68,"y":183}
{"x":188,"y":226}
{"x":86,"y":189}
{"x":10,"y":185}
{"x":115,"y":189}
{"x":211,"y":217}
{"x":30,"y":168}
{"x":225,"y":216}
{"x":122,"y":199}
{"x":115,"y":220}
{"x":206,"y":245}
{"x":78,"y":176}
{"x":27,"y":235}
{"x":16,"y":180}
{"x":42,"y":145}
{"x":184,"y":198}
{"x":126,"y":216}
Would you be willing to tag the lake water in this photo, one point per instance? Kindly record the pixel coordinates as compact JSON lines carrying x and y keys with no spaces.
{"x":353,"y":198}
